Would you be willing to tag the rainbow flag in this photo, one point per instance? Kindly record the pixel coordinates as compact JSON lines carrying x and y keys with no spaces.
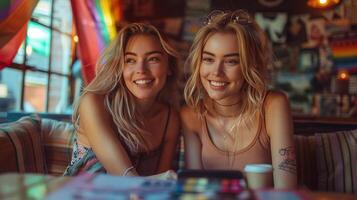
{"x":344,"y":52}
{"x":95,"y":28}
{"x":14,"y":15}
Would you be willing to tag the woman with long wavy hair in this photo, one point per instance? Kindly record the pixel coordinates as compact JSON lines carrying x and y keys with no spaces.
{"x":126,"y":119}
{"x":231,"y":118}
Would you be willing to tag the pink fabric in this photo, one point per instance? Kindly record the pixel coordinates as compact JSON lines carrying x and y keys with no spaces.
{"x":89,"y":48}
{"x":258,"y":151}
{"x":9,"y":50}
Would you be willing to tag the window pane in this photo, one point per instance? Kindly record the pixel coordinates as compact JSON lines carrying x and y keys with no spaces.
{"x":61,"y":52}
{"x":10,"y":89}
{"x":42,"y":12}
{"x":59,"y":92}
{"x":38,"y":45}
{"x":62,"y":16}
{"x":35,"y":92}
{"x":19,"y":58}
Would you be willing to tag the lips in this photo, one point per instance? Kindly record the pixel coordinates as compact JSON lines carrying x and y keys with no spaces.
{"x":143,"y":81}
{"x":218,"y":83}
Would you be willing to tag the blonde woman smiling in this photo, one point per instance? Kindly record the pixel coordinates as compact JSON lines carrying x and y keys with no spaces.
{"x":232,"y":119}
{"x":126,"y":120}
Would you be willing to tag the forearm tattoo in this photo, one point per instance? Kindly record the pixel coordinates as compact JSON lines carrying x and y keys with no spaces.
{"x":289,"y":159}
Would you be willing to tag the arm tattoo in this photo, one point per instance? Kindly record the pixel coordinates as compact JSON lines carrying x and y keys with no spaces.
{"x":289,"y":159}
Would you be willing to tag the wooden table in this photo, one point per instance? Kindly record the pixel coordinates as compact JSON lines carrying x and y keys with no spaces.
{"x":37,"y":186}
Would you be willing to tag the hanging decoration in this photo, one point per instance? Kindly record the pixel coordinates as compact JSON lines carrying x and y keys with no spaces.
{"x":95,"y":28}
{"x":14,"y":16}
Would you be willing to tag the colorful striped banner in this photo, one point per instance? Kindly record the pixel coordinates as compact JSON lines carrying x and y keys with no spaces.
{"x":95,"y":28}
{"x":344,"y":53}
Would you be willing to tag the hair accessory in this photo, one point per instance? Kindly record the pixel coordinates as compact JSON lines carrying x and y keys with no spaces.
{"x":211,"y":16}
{"x":239,"y":16}
{"x":127,"y":170}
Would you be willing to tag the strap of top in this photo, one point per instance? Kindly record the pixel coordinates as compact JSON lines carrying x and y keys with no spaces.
{"x":162,"y":140}
{"x":263,"y":108}
{"x":165,"y":130}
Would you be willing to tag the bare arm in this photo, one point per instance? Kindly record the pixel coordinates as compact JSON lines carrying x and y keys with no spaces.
{"x":280,"y":129}
{"x":95,"y":122}
{"x":170,"y":143}
{"x":190,"y":127}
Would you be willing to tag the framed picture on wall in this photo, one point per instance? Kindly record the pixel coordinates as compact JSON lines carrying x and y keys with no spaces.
{"x":308,"y":60}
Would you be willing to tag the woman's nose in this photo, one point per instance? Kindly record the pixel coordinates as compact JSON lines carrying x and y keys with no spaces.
{"x":218,"y":68}
{"x":141,"y":66}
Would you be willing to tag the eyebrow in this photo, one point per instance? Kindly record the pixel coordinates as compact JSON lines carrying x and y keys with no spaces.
{"x":147,"y":54}
{"x":227,"y":55}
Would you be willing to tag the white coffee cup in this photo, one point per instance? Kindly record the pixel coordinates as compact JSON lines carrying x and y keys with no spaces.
{"x":259,"y":176}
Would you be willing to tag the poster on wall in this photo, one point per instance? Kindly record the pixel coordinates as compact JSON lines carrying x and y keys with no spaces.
{"x":273,"y":24}
{"x":316,"y":33}
{"x":296,"y":33}
{"x":298,"y":88}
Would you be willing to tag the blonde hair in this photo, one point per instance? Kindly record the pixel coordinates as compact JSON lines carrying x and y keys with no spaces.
{"x":254,"y":55}
{"x":118,"y":101}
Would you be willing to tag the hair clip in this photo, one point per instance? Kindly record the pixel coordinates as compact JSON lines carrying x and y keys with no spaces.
{"x":211,"y":16}
{"x":241,"y":20}
{"x":241,"y":17}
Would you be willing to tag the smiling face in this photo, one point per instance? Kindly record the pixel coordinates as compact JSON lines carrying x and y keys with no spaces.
{"x":146,"y":67}
{"x":220,"y":71}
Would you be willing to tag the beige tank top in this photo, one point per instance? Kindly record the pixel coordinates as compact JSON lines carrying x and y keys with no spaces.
{"x":258,"y":151}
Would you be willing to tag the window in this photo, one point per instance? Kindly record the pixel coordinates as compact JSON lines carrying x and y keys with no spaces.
{"x":39,"y":80}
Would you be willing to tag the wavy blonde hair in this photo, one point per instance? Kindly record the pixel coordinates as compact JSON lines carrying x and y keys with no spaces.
{"x":118,"y":101}
{"x":254,"y":55}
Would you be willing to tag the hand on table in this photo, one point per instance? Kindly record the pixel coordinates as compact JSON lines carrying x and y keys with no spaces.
{"x":168,"y":175}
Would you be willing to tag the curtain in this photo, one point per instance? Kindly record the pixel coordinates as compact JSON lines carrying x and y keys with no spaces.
{"x":14,"y":16}
{"x":95,"y":28}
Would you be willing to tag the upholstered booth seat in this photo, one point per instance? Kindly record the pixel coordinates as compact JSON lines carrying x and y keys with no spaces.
{"x":326,"y":159}
{"x":35,"y":145}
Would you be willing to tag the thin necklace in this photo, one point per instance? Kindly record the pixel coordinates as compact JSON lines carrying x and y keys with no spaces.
{"x":230,"y":155}
{"x":221,"y":114}
{"x":228,"y":105}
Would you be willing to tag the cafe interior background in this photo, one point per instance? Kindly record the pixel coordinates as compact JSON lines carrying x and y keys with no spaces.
{"x":48,"y":53}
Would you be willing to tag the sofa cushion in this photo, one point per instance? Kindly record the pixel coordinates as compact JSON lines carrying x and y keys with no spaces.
{"x":305,"y":158}
{"x":58,"y":137}
{"x":21,"y":147}
{"x":336,"y":155}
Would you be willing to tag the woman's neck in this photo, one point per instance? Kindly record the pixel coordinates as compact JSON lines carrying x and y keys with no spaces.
{"x":227,"y":108}
{"x":148,"y":108}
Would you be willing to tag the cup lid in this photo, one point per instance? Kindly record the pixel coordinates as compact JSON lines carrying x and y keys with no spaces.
{"x":258,"y":168}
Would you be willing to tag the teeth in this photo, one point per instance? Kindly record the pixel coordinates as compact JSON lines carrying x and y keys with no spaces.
{"x":142,"y":82}
{"x":218,"y":84}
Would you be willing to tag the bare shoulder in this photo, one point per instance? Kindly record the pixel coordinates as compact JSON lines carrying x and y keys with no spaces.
{"x":190,"y":119}
{"x":92,"y":108}
{"x":90,"y":100}
{"x":277,"y":114}
{"x":276,"y":100}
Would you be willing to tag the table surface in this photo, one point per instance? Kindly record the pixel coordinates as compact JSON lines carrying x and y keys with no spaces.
{"x":38,"y":186}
